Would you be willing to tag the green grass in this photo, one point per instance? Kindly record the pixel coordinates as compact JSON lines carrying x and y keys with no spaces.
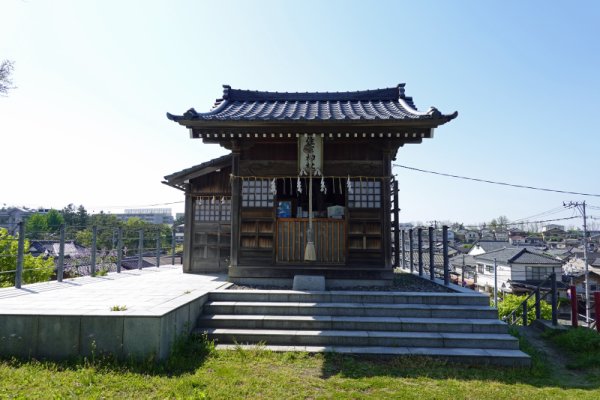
{"x":197,"y":371}
{"x":582,"y":344}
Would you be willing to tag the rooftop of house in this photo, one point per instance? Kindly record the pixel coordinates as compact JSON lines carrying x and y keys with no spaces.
{"x":250,"y":105}
{"x":491,"y":245}
{"x":520,"y":255}
{"x":178,"y":178}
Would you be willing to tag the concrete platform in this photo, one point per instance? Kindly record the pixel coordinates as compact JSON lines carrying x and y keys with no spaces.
{"x":76,"y":318}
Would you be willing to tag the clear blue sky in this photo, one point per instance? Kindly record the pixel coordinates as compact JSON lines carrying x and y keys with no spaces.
{"x":87,"y":123}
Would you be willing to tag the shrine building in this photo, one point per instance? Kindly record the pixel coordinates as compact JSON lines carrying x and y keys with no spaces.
{"x":307,"y":188}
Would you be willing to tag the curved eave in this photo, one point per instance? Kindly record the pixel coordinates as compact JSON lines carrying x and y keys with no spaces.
{"x":424,"y":121}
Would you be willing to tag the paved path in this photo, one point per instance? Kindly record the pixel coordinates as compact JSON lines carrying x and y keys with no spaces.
{"x":151,"y":291}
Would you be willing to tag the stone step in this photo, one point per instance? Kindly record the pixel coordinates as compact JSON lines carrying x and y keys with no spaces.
{"x":323,"y":322}
{"x":350,"y":309}
{"x":508,"y":358}
{"x":341,"y":296}
{"x":364,"y":338}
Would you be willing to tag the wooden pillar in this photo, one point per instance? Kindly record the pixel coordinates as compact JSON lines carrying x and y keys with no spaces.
{"x":387,"y":212}
{"x":188,"y":231}
{"x":397,"y":226}
{"x":235,"y":204}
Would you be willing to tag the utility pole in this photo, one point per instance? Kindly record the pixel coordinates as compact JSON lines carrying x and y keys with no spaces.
{"x":581,"y":208}
{"x":462,"y":282}
{"x":495,"y":283}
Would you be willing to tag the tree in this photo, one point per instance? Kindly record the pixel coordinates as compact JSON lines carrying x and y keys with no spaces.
{"x":6,"y":69}
{"x":106,"y":225}
{"x":55,"y":220}
{"x":82,"y":216}
{"x":179,"y":220}
{"x":35,"y":269}
{"x":69,"y":214}
{"x":502,"y":222}
{"x":39,"y":225}
{"x":511,"y":302}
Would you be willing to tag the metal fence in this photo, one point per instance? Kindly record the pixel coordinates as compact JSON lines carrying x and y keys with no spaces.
{"x":70,"y":251}
{"x":411,"y":256}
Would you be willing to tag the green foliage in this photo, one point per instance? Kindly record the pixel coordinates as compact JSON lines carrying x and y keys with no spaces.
{"x":583,"y":344}
{"x":500,"y":223}
{"x":578,"y":340}
{"x":179,"y":220}
{"x":187,"y":348}
{"x":41,"y":226}
{"x":106,"y":233}
{"x":510,"y":302}
{"x":196,"y":371}
{"x":55,"y":219}
{"x":36,"y":226}
{"x":84,"y":238}
{"x":118,"y":308}
{"x":35,"y":269}
{"x":76,"y":217}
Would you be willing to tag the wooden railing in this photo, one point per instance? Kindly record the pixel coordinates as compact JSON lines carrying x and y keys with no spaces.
{"x":330,"y":240}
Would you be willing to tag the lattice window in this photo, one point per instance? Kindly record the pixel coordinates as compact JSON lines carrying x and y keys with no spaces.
{"x":538,"y":273}
{"x":365,"y":194}
{"x":212,"y":210}
{"x":257,"y":193}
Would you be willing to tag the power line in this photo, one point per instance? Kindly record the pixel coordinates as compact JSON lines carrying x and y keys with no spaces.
{"x":495,"y":182}
{"x":532,"y":222}
{"x":543,"y":214}
{"x":143,"y":205}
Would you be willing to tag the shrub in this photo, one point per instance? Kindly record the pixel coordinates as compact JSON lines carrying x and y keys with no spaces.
{"x":510,"y":302}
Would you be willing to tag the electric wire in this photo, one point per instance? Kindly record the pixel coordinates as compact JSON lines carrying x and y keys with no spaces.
{"x":495,"y":182}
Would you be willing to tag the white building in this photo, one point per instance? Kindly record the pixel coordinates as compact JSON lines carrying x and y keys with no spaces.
{"x":151,"y":215}
{"x":518,"y":269}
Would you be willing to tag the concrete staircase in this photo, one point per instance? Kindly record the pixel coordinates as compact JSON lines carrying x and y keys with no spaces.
{"x":456,"y":326}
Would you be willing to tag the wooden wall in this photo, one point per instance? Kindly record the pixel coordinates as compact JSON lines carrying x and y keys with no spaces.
{"x":364,"y":233}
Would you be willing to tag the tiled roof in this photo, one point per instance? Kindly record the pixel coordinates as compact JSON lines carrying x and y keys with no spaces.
{"x":438,"y":258}
{"x":197,"y":170}
{"x":517,"y":255}
{"x":532,"y":284}
{"x":491,"y":245}
{"x":389,"y":104}
{"x":458,"y":260}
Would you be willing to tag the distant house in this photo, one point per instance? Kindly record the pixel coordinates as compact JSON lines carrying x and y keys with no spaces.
{"x":518,"y":269}
{"x":533,"y":240}
{"x":52,"y":248}
{"x":501,"y":236}
{"x":553,"y":233}
{"x":485,"y":246}
{"x":487,"y":234}
{"x":516,"y":237}
{"x":471,"y":236}
{"x":11,"y":216}
{"x":569,"y":242}
{"x":438,"y":236}
{"x":579,"y":282}
{"x":516,"y":240}
{"x":405,"y":225}
{"x":464,"y":265}
{"x":550,"y":227}
{"x":157,"y":216}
